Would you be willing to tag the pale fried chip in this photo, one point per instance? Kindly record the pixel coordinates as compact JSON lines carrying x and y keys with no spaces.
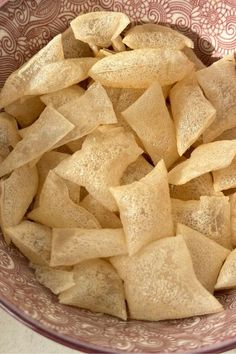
{"x":207,"y":256}
{"x":17,"y":83}
{"x":98,"y":288}
{"x":227,"y":276}
{"x":139,"y":68}
{"x":198,"y":64}
{"x":150,"y":119}
{"x":99,"y":28}
{"x":56,"y":209}
{"x":205,"y":158}
{"x":209,"y":215}
{"x":72,"y":47}
{"x":145,"y":208}
{"x":56,"y":76}
{"x":26,"y":110}
{"x":72,"y":246}
{"x":150,"y":35}
{"x":17,"y":193}
{"x":218,"y":82}
{"x":33,"y":240}
{"x":9,"y":135}
{"x":56,"y":280}
{"x":59,"y":98}
{"x":40,"y":137}
{"x":118,"y":45}
{"x":225,"y":178}
{"x":192,"y":112}
{"x":102,"y":53}
{"x":160,"y":283}
{"x":136,"y":170}
{"x":101,"y":162}
{"x":106,"y":218}
{"x":232,"y":200}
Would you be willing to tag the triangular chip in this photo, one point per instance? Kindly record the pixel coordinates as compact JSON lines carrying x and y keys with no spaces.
{"x":136,"y":170}
{"x":151,"y":35}
{"x":198,"y":64}
{"x":192,"y":112}
{"x":33,"y":240}
{"x":26,"y":110}
{"x":101,"y":162}
{"x":72,"y":246}
{"x":98,"y":288}
{"x":227,"y":276}
{"x":99,"y":28}
{"x":106,"y":218}
{"x":145,"y":209}
{"x":72,"y":47}
{"x":56,"y":209}
{"x":41,"y":136}
{"x":17,"y":193}
{"x":150,"y":119}
{"x":56,"y":280}
{"x":232,"y":200}
{"x":207,"y":256}
{"x":140,"y":67}
{"x":217,"y":80}
{"x":225,"y":178}
{"x":160,"y":283}
{"x":9,"y":135}
{"x":60,"y":97}
{"x":17,"y":83}
{"x":209,"y":215}
{"x":205,"y":158}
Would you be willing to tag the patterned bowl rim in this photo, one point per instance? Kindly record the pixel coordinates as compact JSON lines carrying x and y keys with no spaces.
{"x":90,"y":348}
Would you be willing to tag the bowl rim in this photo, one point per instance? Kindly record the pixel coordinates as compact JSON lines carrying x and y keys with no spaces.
{"x":90,"y":348}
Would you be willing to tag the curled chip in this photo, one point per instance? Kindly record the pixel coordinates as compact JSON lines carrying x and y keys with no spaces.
{"x":9,"y":135}
{"x":209,"y":215}
{"x":56,"y":280}
{"x":17,"y":83}
{"x":152,"y":35}
{"x":72,"y":47}
{"x":145,"y":209}
{"x":205,"y":158}
{"x":226,"y":177}
{"x":192,"y":112}
{"x":17,"y":193}
{"x":198,"y":64}
{"x":97,"y":288}
{"x":160,"y":283}
{"x":207,"y":256}
{"x":227,"y":276}
{"x":136,"y":170}
{"x":56,"y":209}
{"x":106,"y":218}
{"x":218,"y":82}
{"x":26,"y":110}
{"x":33,"y":240}
{"x":140,"y":67}
{"x":99,"y":28}
{"x":63,"y":96}
{"x":56,"y":76}
{"x":150,"y":119}
{"x":72,"y":246}
{"x":101,"y":162}
{"x":40,"y":137}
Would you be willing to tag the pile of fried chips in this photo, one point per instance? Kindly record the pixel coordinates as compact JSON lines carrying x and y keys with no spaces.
{"x":118,"y":169}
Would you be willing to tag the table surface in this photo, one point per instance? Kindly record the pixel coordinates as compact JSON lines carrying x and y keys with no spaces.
{"x":16,"y":338}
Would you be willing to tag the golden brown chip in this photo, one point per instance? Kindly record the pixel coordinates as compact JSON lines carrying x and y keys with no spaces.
{"x":150,"y":119}
{"x":225,"y":178}
{"x":72,"y":246}
{"x":26,"y":110}
{"x":59,"y":98}
{"x":160,"y":283}
{"x":151,"y":35}
{"x":192,"y":112}
{"x":207,"y":256}
{"x":41,"y":136}
{"x":9,"y":135}
{"x":102,"y":53}
{"x":98,"y":288}
{"x":145,"y":209}
{"x":209,"y":215}
{"x":33,"y":240}
{"x":72,"y":47}
{"x":17,"y":193}
{"x":205,"y":158}
{"x":56,"y":209}
{"x":218,"y":82}
{"x":198,"y":64}
{"x":140,"y":67}
{"x":136,"y":170}
{"x":229,"y":134}
{"x":232,"y":200}
{"x":101,"y":162}
{"x":76,"y":145}
{"x":106,"y":218}
{"x":17,"y":83}
{"x":99,"y":28}
{"x":227,"y":276}
{"x":166,"y":90}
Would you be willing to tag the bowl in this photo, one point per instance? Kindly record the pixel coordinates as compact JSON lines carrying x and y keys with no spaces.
{"x":25,"y":27}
